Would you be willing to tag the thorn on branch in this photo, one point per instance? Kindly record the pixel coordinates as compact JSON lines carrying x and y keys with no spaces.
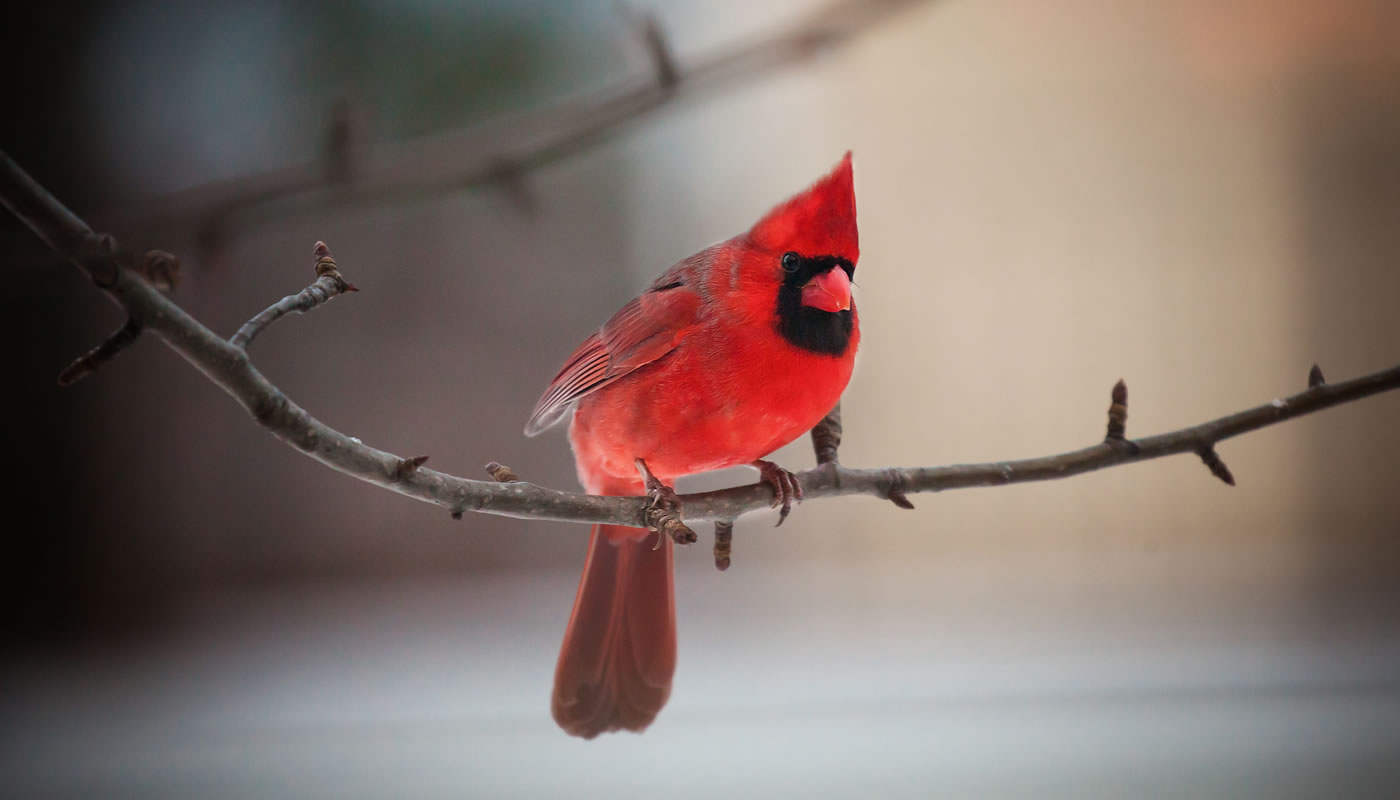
{"x":501,"y":473}
{"x":724,"y":543}
{"x":408,"y":466}
{"x":91,"y":361}
{"x":1118,"y":412}
{"x":1315,"y":378}
{"x":108,"y":272}
{"x":1215,"y":465}
{"x":895,"y":494}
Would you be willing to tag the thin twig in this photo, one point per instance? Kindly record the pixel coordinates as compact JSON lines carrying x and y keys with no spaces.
{"x":329,"y":283}
{"x":230,"y":368}
{"x":89,"y":362}
{"x":653,"y":39}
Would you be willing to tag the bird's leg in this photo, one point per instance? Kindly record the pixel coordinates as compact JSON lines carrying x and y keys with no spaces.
{"x":786,"y":489}
{"x":662,"y":496}
{"x":826,"y":436}
{"x":826,"y":440}
{"x":664,"y":515}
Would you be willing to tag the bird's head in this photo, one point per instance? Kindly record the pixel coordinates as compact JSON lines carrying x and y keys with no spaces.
{"x":806,"y":250}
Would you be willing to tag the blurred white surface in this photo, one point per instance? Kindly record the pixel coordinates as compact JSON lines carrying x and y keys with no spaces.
{"x":878,"y":680}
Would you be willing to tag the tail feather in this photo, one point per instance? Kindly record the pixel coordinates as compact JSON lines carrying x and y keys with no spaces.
{"x":619,"y":651}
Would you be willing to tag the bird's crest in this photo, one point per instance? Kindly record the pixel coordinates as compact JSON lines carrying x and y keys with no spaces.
{"x":818,"y":221}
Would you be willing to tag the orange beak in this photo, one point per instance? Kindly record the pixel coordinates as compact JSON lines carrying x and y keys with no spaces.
{"x":829,"y":291}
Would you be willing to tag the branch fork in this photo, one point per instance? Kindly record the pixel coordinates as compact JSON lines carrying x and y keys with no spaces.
{"x":160,"y":269}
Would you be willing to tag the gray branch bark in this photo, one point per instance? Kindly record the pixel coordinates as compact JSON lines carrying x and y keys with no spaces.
{"x":229,"y":366}
{"x":328,"y":284}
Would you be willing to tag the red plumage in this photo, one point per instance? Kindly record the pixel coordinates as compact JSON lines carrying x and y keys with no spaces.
{"x":729,"y":355}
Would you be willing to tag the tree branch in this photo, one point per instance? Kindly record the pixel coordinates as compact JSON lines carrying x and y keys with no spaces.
{"x":500,"y":151}
{"x":327,"y":285}
{"x":91,"y":361}
{"x":229,"y":367}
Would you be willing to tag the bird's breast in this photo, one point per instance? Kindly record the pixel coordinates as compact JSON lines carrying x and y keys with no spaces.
{"x":720,"y":399}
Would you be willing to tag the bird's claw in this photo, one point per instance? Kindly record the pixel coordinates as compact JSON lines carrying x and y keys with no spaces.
{"x":786,"y":488}
{"x":664,"y":497}
{"x":664,"y":512}
{"x":666,"y":516}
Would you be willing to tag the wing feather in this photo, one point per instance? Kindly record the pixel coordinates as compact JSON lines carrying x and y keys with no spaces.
{"x":640,"y":332}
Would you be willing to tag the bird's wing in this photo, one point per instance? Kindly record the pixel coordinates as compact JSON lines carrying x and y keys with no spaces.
{"x":644,"y":330}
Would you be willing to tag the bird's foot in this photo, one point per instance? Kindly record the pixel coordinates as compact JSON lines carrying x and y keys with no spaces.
{"x":664,"y":513}
{"x":664,"y":497}
{"x":786,"y":489}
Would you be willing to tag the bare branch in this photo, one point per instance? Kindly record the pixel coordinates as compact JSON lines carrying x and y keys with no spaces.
{"x":91,"y":361}
{"x":505,"y":148}
{"x":329,"y":283}
{"x":653,"y":39}
{"x":229,"y":367}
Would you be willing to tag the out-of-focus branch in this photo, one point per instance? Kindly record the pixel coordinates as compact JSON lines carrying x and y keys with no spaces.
{"x":228,"y":366}
{"x":503,"y":150}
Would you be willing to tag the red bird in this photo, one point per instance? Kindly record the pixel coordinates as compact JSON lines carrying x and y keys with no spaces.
{"x":729,"y":355}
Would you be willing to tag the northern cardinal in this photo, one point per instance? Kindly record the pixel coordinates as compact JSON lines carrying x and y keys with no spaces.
{"x":729,"y":355}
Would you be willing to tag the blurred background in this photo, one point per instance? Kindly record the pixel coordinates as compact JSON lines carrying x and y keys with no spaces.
{"x":1198,"y":197}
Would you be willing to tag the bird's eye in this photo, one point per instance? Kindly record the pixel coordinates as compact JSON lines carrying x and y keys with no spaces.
{"x":791,"y":261}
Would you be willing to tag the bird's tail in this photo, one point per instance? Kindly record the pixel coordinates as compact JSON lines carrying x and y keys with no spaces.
{"x":619,"y":650}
